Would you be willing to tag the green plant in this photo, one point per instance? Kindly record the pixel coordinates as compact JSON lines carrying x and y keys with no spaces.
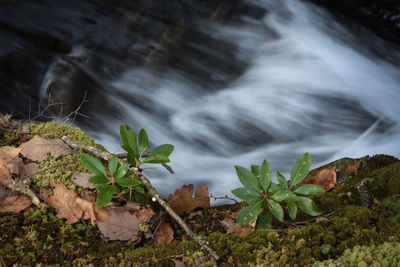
{"x":265,"y":196}
{"x":119,"y":182}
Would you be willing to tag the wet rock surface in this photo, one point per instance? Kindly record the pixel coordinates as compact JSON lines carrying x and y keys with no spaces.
{"x":382,"y":16}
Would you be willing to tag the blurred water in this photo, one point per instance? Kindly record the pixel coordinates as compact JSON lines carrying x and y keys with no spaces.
{"x":309,"y":85}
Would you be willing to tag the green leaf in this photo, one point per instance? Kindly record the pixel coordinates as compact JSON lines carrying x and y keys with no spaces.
{"x":246,"y":193}
{"x":292,"y":210}
{"x":125,"y":191}
{"x":139,"y":189}
{"x":309,"y":190}
{"x":308,"y":206}
{"x":285,"y":195}
{"x":255,"y":169}
{"x":104,"y":197}
{"x":282,"y":180}
{"x":128,"y":140}
{"x":300,"y":169}
{"x":273,"y":188}
{"x":113,"y":165}
{"x":121,"y":172}
{"x":98,"y":179}
{"x":264,"y":219}
{"x":160,"y":154}
{"x":131,"y":159}
{"x":276,"y":209}
{"x":93,"y":164}
{"x":143,"y":142}
{"x":247,"y":178}
{"x":101,"y":187}
{"x":265,"y":176}
{"x":249,"y":213}
{"x":126,"y":182}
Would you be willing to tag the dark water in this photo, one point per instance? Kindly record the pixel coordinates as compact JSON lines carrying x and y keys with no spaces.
{"x":227,"y":83}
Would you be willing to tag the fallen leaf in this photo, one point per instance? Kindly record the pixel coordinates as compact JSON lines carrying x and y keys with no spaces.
{"x":164,"y":233}
{"x":74,"y":208}
{"x":82,"y":179}
{"x":15,"y":165}
{"x":5,"y":120}
{"x":228,"y":223}
{"x":352,"y":168}
{"x":179,"y":263}
{"x":14,"y":203}
{"x":182,"y":200}
{"x":28,"y":170}
{"x":122,"y":225}
{"x":8,"y":153}
{"x":325,"y":178}
{"x":5,"y":175}
{"x":38,"y":149}
{"x":143,"y":215}
{"x":88,"y":195}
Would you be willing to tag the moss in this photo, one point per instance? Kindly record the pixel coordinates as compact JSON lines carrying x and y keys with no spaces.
{"x":385,"y":182}
{"x":60,"y":171}
{"x":384,"y":255}
{"x":53,"y":130}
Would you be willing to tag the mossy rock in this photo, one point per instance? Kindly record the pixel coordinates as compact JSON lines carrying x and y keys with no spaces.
{"x":39,"y":237}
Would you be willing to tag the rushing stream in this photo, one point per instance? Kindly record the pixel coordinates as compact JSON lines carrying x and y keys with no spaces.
{"x":279,"y":80}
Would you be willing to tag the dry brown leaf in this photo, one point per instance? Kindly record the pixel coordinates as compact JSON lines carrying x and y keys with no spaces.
{"x":15,"y":165}
{"x":143,"y":215}
{"x":182,"y":200}
{"x":72,"y":207}
{"x":14,"y":203}
{"x":179,"y":263}
{"x":124,"y":224}
{"x":5,"y":120}
{"x":5,"y":175}
{"x":325,"y":178}
{"x":228,"y":223}
{"x":8,"y":153}
{"x":88,"y":195}
{"x":38,"y":149}
{"x":352,"y":168}
{"x":164,"y":233}
{"x":82,"y":179}
{"x":28,"y":170}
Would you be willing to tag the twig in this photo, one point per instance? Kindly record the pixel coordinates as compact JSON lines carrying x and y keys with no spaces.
{"x":153,"y":192}
{"x":87,"y":228}
{"x":2,"y":261}
{"x":225,"y":197}
{"x":326,"y":216}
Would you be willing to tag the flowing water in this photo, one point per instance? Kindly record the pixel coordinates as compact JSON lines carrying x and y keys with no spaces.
{"x":289,"y":80}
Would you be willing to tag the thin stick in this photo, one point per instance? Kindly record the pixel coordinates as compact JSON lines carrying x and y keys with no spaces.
{"x":153,"y":192}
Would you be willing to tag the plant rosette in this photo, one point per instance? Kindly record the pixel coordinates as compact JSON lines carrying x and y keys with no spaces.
{"x":265,"y":197}
{"x":120,"y":183}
